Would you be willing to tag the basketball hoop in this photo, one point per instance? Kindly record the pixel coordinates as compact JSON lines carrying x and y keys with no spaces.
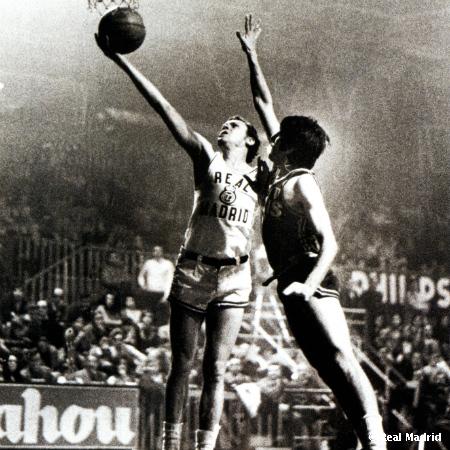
{"x":103,"y":6}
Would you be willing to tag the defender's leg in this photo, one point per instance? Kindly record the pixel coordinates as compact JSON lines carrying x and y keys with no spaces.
{"x":321,"y":330}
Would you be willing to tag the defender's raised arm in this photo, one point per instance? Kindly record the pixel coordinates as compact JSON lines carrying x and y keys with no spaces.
{"x":262,"y":97}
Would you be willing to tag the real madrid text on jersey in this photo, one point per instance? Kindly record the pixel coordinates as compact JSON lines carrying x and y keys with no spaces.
{"x":224,"y":207}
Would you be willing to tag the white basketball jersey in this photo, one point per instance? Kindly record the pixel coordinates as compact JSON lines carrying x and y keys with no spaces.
{"x":222,"y":218}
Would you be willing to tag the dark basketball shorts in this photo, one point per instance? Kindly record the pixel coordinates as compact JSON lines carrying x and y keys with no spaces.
{"x":329,"y":288}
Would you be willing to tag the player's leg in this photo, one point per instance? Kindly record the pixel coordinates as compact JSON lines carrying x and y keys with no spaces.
{"x":222,"y":328}
{"x":321,"y":330}
{"x":184,"y":330}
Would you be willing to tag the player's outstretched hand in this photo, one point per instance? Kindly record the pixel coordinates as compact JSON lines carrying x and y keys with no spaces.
{"x":299,"y":290}
{"x":103,"y":43}
{"x":252,"y":32}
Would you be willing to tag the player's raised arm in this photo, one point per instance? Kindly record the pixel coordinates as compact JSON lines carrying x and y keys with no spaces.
{"x":262,"y":97}
{"x":305,"y":195}
{"x":198,"y":148}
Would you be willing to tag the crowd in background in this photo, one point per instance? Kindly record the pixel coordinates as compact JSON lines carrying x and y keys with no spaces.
{"x":91,"y":340}
{"x":123,"y":338}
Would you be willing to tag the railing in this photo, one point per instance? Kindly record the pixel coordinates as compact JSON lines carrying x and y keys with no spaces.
{"x":35,"y":254}
{"x":84,"y":270}
{"x":273,"y":428}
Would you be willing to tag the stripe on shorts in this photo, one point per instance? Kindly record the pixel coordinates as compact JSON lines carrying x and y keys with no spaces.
{"x":234,"y":304}
{"x":323,"y":292}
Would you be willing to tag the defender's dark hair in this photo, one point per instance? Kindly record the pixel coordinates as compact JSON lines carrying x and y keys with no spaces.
{"x":306,"y":135}
{"x":252,"y":150}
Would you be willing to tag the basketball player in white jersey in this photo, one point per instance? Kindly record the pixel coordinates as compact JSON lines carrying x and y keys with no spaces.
{"x":212,"y":279}
{"x":301,"y":247}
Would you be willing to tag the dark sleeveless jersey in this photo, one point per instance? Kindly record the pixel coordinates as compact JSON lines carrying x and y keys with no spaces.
{"x":288,"y":234}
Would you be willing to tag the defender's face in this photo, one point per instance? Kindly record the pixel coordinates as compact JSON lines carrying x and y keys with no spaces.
{"x":233,"y":132}
{"x":277,"y":156}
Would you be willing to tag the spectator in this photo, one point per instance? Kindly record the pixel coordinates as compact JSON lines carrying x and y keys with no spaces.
{"x":12,"y":372}
{"x":371,"y":300}
{"x":155,"y":278}
{"x":148,"y":332}
{"x":13,"y":304}
{"x":130,"y":311}
{"x":122,"y":377}
{"x":48,"y":353}
{"x":109,"y":308}
{"x":350,"y":297}
{"x":57,"y":304}
{"x":95,"y":330}
{"x":89,"y":374}
{"x":19,"y":330}
{"x":120,"y":350}
{"x":36,"y":370}
{"x":430,"y":344}
{"x":442,"y":334}
{"x":432,"y":394}
{"x":80,"y":307}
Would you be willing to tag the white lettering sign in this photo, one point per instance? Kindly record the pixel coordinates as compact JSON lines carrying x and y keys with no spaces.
{"x":22,"y":424}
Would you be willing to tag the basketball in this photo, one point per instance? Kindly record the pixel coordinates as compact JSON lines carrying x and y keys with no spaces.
{"x":124,"y":28}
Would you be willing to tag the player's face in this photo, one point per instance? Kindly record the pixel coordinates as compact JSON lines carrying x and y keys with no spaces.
{"x":276,"y":155}
{"x":233,"y":132}
{"x":279,"y":154}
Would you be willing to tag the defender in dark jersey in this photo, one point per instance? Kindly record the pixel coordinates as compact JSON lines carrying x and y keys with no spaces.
{"x":212,"y":280}
{"x":301,"y":247}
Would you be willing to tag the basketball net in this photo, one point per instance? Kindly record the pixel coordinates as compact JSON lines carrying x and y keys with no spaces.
{"x":103,"y":6}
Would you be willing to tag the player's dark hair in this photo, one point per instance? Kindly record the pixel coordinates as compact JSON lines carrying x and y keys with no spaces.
{"x":252,"y":150}
{"x":306,"y":136}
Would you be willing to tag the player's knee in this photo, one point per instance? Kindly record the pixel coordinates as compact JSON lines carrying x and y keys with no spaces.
{"x":345,"y":359}
{"x":332,"y":359}
{"x":214,"y":372}
{"x":182,"y":365}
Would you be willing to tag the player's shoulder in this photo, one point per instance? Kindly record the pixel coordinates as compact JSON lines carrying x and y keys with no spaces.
{"x":302,"y":187}
{"x":205,"y":145}
{"x":301,"y":179}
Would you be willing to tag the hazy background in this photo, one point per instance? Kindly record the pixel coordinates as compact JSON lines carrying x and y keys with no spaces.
{"x":80,"y":149}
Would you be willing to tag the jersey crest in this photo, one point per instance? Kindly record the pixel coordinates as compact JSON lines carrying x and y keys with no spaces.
{"x":228,"y":195}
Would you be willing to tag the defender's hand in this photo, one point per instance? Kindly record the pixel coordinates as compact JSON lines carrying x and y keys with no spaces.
{"x":262,"y":180}
{"x":299,"y":290}
{"x":252,"y":31}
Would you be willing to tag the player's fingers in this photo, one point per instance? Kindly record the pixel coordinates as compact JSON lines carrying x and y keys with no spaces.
{"x":238,"y":34}
{"x":246,"y":23}
{"x":101,"y":42}
{"x":260,"y":165}
{"x":250,"y":21}
{"x":288,"y":291}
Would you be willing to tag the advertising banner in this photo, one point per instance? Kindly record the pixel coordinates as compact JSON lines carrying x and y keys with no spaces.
{"x":394,"y":288}
{"x":38,"y":416}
